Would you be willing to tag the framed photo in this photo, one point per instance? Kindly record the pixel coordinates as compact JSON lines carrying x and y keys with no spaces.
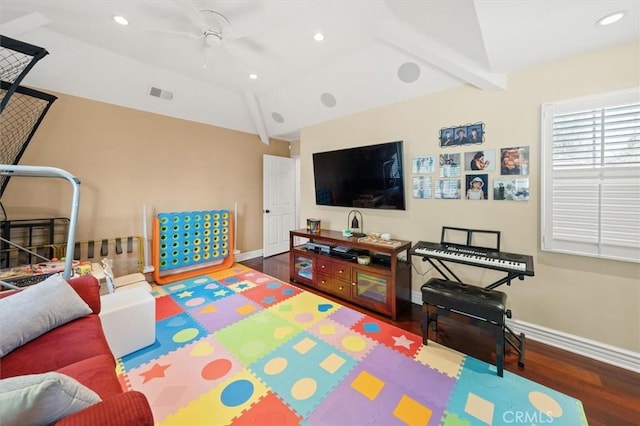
{"x":447,"y":189}
{"x":446,"y":136}
{"x":423,"y":164}
{"x":421,"y":186}
{"x":449,"y":165}
{"x":475,"y":133}
{"x":462,"y":135}
{"x":476,"y":187}
{"x":511,"y":189}
{"x":514,"y":161}
{"x":480,"y":160}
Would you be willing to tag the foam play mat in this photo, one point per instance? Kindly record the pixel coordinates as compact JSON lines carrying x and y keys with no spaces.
{"x":240,"y":347}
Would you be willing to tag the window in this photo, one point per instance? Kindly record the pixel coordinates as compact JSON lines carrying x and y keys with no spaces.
{"x":591,"y":176}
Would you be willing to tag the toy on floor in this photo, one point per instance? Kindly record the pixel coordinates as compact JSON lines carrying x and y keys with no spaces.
{"x":125,"y":282}
{"x":189,"y":244}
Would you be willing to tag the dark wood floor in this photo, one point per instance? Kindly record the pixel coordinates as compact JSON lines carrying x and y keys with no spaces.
{"x":610,"y":395}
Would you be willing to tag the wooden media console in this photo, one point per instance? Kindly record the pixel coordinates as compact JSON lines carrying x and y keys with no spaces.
{"x":327,"y":261}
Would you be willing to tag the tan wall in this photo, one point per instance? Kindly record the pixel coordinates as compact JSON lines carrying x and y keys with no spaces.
{"x":126,"y":158}
{"x":592,"y":298}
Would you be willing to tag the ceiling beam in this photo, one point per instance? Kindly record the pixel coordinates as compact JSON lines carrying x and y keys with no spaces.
{"x":24,"y":24}
{"x":440,"y":56}
{"x":256,"y":116}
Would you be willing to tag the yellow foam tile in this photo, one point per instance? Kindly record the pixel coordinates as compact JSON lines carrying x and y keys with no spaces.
{"x":412,"y":412}
{"x":368,"y":385}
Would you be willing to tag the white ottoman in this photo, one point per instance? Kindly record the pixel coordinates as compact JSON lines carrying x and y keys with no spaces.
{"x":129,"y":320}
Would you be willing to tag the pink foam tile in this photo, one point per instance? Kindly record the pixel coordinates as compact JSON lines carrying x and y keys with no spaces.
{"x":173,"y":380}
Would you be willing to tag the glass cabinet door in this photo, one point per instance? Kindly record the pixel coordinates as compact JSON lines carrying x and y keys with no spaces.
{"x":370,"y":287}
{"x":303,"y":268}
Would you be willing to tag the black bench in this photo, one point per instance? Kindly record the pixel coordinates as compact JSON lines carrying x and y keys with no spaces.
{"x":470,"y":301}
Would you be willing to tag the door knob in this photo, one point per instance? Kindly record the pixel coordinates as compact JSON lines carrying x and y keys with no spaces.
{"x":267,"y":211}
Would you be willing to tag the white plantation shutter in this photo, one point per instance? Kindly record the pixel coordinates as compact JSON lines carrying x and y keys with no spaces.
{"x":591,"y":176}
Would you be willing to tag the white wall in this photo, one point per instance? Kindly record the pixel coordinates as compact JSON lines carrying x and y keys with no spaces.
{"x":586,"y":297}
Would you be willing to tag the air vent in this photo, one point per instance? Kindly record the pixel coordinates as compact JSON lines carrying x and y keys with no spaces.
{"x":159,"y":93}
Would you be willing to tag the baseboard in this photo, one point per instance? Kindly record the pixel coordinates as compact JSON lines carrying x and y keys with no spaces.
{"x":416,"y":297}
{"x":599,"y":351}
{"x":240,"y":257}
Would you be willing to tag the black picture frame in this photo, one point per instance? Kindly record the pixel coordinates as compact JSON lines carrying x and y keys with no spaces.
{"x":468,"y":134}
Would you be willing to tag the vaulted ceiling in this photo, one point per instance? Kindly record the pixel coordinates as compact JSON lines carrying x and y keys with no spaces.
{"x":196,"y":56}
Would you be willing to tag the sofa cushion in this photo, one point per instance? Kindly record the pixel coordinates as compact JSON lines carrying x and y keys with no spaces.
{"x":40,"y":399}
{"x":97,"y":373}
{"x":77,"y":340}
{"x":87,"y":287}
{"x":37,"y":310}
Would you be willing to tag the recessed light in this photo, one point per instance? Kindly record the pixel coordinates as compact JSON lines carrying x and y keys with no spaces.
{"x":121,"y":20}
{"x":611,"y":18}
{"x":253,"y":76}
{"x":318,"y":36}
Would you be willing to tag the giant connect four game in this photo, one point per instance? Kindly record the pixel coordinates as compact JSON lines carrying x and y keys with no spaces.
{"x":186,"y":244}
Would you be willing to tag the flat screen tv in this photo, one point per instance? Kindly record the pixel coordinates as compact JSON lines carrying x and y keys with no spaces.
{"x":369,"y":176}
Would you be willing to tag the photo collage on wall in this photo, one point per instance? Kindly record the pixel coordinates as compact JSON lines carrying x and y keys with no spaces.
{"x":474,"y":174}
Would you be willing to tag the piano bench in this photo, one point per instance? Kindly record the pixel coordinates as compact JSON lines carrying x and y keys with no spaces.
{"x":470,"y":301}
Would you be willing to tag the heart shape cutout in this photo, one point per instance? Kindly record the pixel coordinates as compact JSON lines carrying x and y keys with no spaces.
{"x":324,"y":307}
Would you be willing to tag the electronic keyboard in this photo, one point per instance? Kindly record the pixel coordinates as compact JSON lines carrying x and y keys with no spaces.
{"x":519,"y":264}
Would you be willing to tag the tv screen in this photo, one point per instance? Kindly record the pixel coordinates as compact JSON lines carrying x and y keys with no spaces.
{"x":363,"y":177}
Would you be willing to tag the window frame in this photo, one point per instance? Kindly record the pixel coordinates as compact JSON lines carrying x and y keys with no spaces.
{"x":597,"y":182}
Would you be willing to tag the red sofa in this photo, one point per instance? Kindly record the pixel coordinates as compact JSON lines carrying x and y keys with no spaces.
{"x":80,"y":350}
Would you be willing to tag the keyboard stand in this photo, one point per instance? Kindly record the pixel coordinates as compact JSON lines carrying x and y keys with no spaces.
{"x":446,"y":273}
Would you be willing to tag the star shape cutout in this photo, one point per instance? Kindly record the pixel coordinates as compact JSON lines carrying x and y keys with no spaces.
{"x":185,"y":294}
{"x":157,"y":371}
{"x":403,"y":341}
{"x":220,"y":292}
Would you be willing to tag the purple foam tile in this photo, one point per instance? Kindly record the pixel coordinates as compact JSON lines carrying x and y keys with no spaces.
{"x":346,"y":316}
{"x":385,"y":362}
{"x":416,"y":381}
{"x":224,"y":312}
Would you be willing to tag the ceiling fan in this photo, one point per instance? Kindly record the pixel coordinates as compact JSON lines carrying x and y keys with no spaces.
{"x":216,"y":32}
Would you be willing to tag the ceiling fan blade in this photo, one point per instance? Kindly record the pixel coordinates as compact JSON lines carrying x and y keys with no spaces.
{"x":251,"y":44}
{"x":191,"y":11}
{"x":245,"y":53}
{"x":246,"y":17}
{"x":174,"y":33}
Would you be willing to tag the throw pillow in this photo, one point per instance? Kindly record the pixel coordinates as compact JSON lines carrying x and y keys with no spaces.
{"x":42,"y":399}
{"x":36,"y":310}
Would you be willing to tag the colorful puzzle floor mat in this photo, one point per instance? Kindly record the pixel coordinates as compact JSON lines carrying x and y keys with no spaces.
{"x":240,"y":347}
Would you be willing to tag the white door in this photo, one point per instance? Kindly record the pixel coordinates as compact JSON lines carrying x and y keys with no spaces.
{"x":279,"y":188}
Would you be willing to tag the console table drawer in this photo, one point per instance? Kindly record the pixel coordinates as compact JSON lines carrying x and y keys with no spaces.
{"x":342,"y":289}
{"x":324,"y":266}
{"x":341,"y":271}
{"x":325,"y":282}
{"x":334,"y":286}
